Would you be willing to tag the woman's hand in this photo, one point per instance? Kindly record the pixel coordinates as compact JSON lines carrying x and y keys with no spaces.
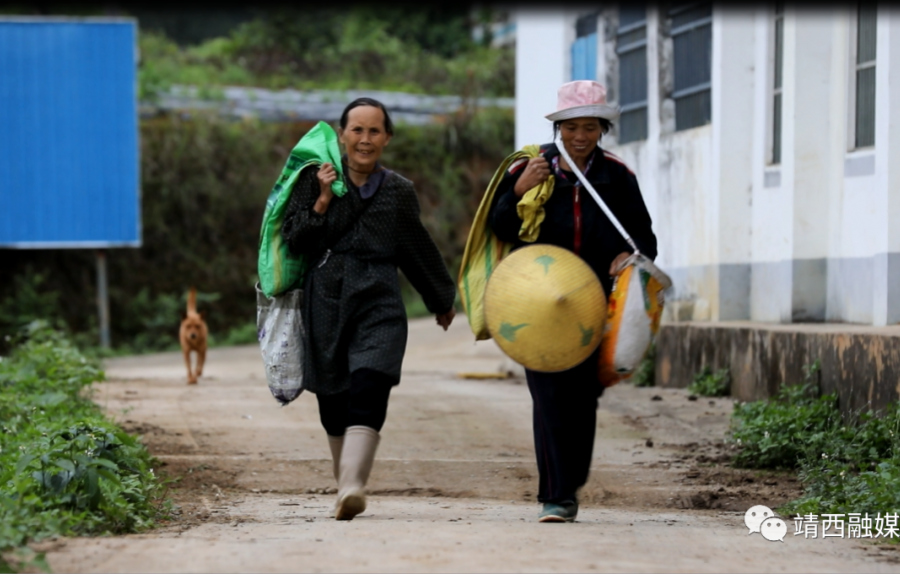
{"x":536,"y":172}
{"x":618,"y":261}
{"x":445,"y":319}
{"x":326,"y":175}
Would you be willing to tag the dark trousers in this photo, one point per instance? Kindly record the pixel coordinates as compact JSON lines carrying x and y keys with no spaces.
{"x":565,"y":421}
{"x":363,"y":404}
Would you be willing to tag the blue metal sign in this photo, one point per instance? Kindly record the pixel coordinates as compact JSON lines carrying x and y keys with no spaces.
{"x":69,"y":155}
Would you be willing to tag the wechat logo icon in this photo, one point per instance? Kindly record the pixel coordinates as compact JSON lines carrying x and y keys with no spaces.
{"x":761,"y":519}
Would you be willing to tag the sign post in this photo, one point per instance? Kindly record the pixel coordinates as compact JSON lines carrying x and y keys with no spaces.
{"x":102,"y":299}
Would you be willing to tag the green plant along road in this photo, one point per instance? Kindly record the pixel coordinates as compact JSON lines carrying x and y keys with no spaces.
{"x":709,"y":384}
{"x":845,"y":466}
{"x":645,"y":374}
{"x":65,"y":468}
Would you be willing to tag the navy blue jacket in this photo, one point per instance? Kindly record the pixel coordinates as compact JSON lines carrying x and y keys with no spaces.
{"x":600,"y":241}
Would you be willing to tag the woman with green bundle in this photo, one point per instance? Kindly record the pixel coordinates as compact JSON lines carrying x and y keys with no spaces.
{"x":352,"y":306}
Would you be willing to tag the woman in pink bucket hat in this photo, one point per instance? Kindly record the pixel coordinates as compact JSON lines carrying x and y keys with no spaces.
{"x":565,"y":403}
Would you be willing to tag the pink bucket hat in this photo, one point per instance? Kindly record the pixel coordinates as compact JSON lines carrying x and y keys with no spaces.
{"x":582,"y":99}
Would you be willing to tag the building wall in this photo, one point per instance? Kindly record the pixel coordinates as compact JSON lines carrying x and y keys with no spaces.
{"x":542,"y":47}
{"x":808,"y":239}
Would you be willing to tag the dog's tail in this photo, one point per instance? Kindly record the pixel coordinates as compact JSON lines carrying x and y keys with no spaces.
{"x":192,"y":301}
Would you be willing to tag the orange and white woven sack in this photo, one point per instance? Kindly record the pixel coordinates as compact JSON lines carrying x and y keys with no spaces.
{"x":632,"y":318}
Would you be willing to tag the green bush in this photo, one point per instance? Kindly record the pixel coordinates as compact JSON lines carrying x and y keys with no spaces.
{"x":854,"y":468}
{"x":239,"y":335}
{"x":845,"y":466}
{"x":351,"y":48}
{"x":64,"y":468}
{"x":778,"y":433}
{"x":645,"y":374}
{"x":709,"y":384}
{"x":29,"y":300}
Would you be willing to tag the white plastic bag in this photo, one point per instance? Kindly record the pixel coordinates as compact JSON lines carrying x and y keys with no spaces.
{"x":281,"y":333}
{"x":632,"y":318}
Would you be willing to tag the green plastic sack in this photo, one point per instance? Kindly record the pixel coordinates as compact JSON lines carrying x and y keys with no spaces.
{"x":279,"y":270}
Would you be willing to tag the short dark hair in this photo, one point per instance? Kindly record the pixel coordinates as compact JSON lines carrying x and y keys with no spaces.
{"x":388,"y":124}
{"x":605,"y":126}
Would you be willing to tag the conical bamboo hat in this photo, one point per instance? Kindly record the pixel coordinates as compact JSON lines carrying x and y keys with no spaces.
{"x":545,"y":308}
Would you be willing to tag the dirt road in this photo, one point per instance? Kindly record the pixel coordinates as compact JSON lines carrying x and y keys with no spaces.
{"x":453,"y":488}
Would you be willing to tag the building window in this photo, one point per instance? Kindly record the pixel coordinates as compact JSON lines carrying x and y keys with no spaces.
{"x":865,"y":76}
{"x":691,"y":31}
{"x":631,"y":48}
{"x":776,"y":83}
{"x":584,"y":49}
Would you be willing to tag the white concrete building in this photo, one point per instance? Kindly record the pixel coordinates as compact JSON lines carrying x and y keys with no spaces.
{"x":766,"y":141}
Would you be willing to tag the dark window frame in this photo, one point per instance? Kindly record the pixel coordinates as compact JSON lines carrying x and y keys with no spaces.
{"x":693,"y":103}
{"x":864,"y":62}
{"x":775,"y":150}
{"x":631,"y":110}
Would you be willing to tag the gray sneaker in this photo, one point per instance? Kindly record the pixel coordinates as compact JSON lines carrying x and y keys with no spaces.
{"x":565,"y":511}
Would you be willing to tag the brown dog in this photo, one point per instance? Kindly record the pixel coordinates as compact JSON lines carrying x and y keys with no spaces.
{"x":193,"y":335}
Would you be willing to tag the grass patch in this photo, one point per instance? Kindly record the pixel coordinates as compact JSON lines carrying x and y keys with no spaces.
{"x":65,"y":469}
{"x":845,"y":467}
{"x":709,"y":384}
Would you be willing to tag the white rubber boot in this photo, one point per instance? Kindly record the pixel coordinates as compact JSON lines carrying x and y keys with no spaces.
{"x":357,"y":456}
{"x":336,"y":443}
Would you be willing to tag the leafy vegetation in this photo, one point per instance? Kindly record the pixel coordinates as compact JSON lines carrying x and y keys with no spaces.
{"x":645,"y":374}
{"x":427,"y":50}
{"x":709,"y":384}
{"x":845,"y":466}
{"x":64,"y":468}
{"x":778,"y":433}
{"x":856,"y":468}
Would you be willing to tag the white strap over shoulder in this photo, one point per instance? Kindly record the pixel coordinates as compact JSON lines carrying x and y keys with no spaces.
{"x":595,"y":195}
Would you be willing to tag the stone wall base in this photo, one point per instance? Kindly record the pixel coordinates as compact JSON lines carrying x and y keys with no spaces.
{"x":860,"y":363}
